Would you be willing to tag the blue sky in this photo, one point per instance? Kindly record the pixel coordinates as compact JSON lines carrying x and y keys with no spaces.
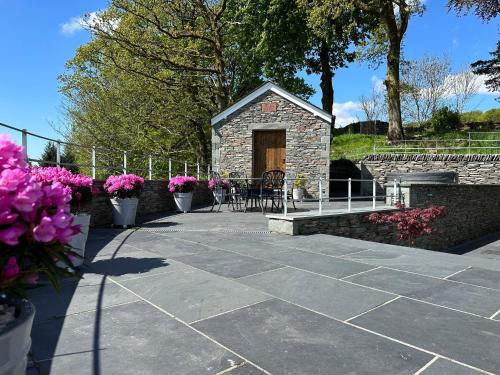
{"x":37,"y":38}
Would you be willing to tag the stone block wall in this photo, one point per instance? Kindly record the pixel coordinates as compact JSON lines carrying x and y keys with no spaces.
{"x":472,"y":211}
{"x":154,"y":199}
{"x":307,"y":139}
{"x":471,"y":169}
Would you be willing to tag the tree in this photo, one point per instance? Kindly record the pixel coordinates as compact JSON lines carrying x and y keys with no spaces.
{"x":49,"y":157}
{"x":490,"y":68}
{"x":373,"y":106}
{"x":287,"y":36}
{"x":485,"y":9}
{"x":425,"y":86}
{"x":463,"y":86}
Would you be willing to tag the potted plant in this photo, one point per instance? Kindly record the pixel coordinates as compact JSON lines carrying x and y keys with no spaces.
{"x":124,"y":191}
{"x":81,"y":197}
{"x":298,"y":187}
{"x":219,"y":188}
{"x":35,"y":227}
{"x":182,"y":187}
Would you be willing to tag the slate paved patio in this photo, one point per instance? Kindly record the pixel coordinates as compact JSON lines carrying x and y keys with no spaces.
{"x":214,"y":293}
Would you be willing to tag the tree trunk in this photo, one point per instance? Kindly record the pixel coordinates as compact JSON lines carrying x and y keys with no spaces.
{"x":326,"y":79}
{"x":395,"y":131}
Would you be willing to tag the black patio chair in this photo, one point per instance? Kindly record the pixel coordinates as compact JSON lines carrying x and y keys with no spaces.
{"x":271,"y":188}
{"x":218,"y":190}
{"x":238,"y":189}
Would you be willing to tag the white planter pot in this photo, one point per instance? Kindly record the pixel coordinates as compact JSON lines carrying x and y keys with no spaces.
{"x":298,"y":194}
{"x":220,"y":195}
{"x":15,"y":341}
{"x":124,"y":211}
{"x":183,"y":201}
{"x":79,"y":240}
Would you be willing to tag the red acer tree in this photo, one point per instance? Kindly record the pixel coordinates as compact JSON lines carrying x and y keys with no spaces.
{"x":410,"y":223}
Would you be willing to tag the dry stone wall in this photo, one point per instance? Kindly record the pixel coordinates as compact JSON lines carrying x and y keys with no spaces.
{"x":471,"y":169}
{"x":307,"y":139}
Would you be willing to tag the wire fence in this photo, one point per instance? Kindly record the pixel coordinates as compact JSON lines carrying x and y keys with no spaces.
{"x":102,"y":162}
{"x":472,"y":143}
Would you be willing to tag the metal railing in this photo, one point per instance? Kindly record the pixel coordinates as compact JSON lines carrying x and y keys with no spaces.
{"x":474,"y":143}
{"x":321,"y":202}
{"x":148,"y":170}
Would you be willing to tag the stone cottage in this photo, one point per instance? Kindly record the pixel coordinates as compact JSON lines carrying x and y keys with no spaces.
{"x":273,"y":129}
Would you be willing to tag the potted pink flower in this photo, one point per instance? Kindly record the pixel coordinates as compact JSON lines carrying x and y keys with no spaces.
{"x":81,"y":198}
{"x":35,"y":227}
{"x":219,"y":188}
{"x":124,"y":191}
{"x":182,"y":187}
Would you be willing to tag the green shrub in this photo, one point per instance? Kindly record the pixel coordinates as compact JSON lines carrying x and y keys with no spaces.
{"x":445,"y":119}
{"x":300,"y":181}
{"x":492,"y":115}
{"x":474,"y":116}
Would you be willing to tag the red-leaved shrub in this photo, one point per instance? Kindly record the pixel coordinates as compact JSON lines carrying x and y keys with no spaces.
{"x":410,"y":223}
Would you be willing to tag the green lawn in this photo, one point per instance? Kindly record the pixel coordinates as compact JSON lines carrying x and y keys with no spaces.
{"x":356,"y":146}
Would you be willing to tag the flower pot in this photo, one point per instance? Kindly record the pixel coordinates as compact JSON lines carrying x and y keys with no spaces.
{"x":79,"y":240}
{"x":15,"y":339}
{"x":220,"y":195}
{"x":124,"y":211}
{"x":298,"y":194}
{"x":183,"y":201}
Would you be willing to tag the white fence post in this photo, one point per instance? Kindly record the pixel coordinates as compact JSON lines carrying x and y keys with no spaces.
{"x":374,"y":192}
{"x":395,"y":187}
{"x":320,"y":203}
{"x":93,"y":163}
{"x":285,"y":188}
{"x":469,"y":142}
{"x":25,"y":144}
{"x":58,"y":153}
{"x":197,"y":170}
{"x":208,"y":172}
{"x":150,"y":170}
{"x":349,"y":194}
{"x":169,"y":168}
{"x":185,"y":168}
{"x":124,"y":162}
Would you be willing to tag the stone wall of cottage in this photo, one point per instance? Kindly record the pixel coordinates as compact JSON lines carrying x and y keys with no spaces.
{"x":307,"y":140}
{"x":155,"y":198}
{"x":472,"y":211}
{"x":471,"y":169}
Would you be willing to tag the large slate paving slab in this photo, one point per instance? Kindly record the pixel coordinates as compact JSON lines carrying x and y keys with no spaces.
{"x":251,"y":247}
{"x":194,"y":294}
{"x":462,"y":337}
{"x":134,"y":264}
{"x":323,"y":294}
{"x":285,"y":339}
{"x":129,"y":339}
{"x":479,"y":276}
{"x":468,"y":298}
{"x":445,"y":367}
{"x":418,"y":262}
{"x":227,"y":264}
{"x":322,"y":264}
{"x":73,"y":299}
{"x":320,"y":243}
{"x":109,"y":250}
{"x":245,"y":369}
{"x":171,"y":247}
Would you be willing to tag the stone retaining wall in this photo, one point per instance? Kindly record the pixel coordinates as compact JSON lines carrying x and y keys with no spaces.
{"x":471,"y":169}
{"x":472,"y":212}
{"x":154,"y":199}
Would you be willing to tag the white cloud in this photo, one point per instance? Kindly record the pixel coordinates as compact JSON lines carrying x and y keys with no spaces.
{"x":75,"y":24}
{"x":482,"y":86}
{"x":377,"y":83}
{"x":345,"y":113}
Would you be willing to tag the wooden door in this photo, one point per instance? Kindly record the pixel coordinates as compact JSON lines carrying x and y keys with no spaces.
{"x":269,"y":151}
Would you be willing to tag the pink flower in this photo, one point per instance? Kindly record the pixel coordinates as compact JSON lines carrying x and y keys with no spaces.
{"x":10,"y":269}
{"x":124,"y":186}
{"x":33,"y":279}
{"x":10,"y":235}
{"x":182,"y":184}
{"x":45,"y":231}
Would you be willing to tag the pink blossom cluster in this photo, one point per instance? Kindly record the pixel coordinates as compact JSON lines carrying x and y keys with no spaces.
{"x":80,"y":185}
{"x":182,"y":184}
{"x":124,"y":186}
{"x":410,"y":223}
{"x":212,"y":184}
{"x":32,"y":215}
